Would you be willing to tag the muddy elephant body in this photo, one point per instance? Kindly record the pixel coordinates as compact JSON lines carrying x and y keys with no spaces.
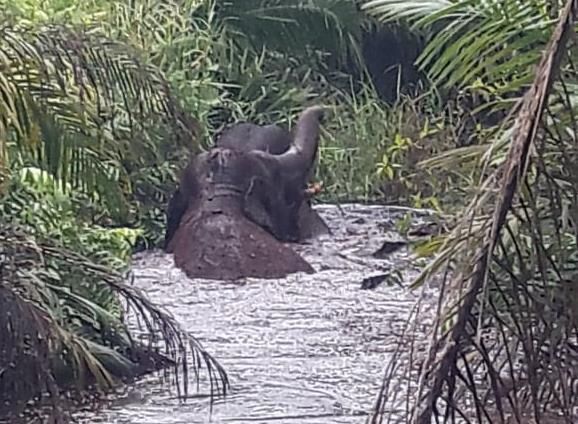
{"x":237,"y":203}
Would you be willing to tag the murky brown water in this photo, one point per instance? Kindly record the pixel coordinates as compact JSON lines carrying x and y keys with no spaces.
{"x":306,"y":349}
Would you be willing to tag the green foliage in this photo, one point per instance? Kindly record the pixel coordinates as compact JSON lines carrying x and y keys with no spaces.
{"x":492,"y":42}
{"x":34,"y":11}
{"x":36,"y":201}
{"x":37,"y":204}
{"x":485,"y":49}
{"x":85,"y":112}
{"x":372,"y":152}
{"x":74,"y":103}
{"x":63,"y":325}
{"x":294,"y":27}
{"x":508,"y":306}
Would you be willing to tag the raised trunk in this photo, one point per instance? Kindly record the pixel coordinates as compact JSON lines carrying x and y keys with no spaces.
{"x":296,"y":162}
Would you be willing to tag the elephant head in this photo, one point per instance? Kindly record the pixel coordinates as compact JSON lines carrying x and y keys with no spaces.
{"x":239,"y":201}
{"x":276,"y":140}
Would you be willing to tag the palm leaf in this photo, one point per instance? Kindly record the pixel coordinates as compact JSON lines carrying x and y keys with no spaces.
{"x":508,"y":269}
{"x":492,"y":41}
{"x":23,"y":325}
{"x":71,"y":354}
{"x":63,"y":92}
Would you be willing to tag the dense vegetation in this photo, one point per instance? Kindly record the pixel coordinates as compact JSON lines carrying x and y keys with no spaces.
{"x":102,"y":101}
{"x":504,"y":342}
{"x":72,"y":104}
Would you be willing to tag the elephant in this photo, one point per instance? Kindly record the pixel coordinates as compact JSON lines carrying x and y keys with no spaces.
{"x":240,"y":202}
{"x":275,"y":140}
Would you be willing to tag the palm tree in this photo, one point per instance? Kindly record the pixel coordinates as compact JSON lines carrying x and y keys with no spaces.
{"x":504,"y":343}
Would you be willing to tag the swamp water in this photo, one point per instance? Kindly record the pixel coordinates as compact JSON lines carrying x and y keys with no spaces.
{"x":307,"y":349}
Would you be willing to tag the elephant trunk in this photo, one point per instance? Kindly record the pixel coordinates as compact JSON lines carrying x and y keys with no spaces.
{"x":297,"y":160}
{"x":303,"y":151}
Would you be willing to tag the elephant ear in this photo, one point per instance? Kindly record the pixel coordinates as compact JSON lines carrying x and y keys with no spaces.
{"x":258,"y":201}
{"x":184,"y":197}
{"x":266,"y":205}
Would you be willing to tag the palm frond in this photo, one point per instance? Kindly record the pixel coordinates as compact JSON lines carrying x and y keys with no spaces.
{"x":24,"y":347}
{"x":492,"y":41}
{"x":504,"y":342}
{"x":63,"y":323}
{"x":68,"y":94}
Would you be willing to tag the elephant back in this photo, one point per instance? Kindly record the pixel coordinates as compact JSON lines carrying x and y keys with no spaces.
{"x":246,"y":137}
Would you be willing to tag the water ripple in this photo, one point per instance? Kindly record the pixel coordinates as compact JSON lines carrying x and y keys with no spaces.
{"x":304,"y":349}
